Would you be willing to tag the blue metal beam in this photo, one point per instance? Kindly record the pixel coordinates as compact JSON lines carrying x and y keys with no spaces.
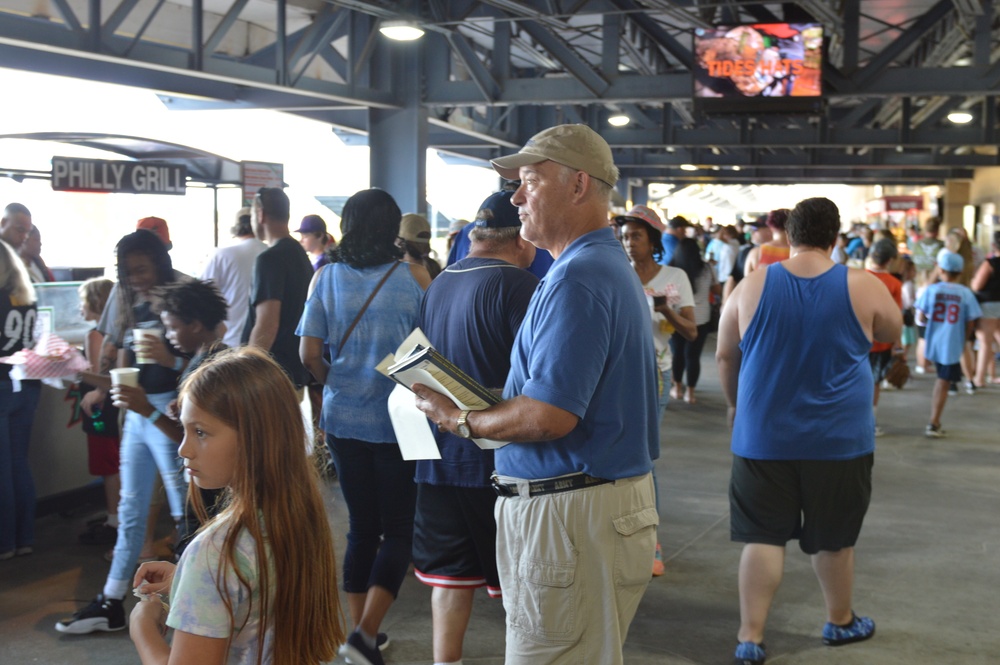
{"x":558,"y":49}
{"x":656,"y":32}
{"x":227,"y":22}
{"x":477,"y":70}
{"x":317,"y":38}
{"x":904,"y":42}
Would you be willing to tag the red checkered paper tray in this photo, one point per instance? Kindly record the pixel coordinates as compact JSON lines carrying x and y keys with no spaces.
{"x":52,"y":358}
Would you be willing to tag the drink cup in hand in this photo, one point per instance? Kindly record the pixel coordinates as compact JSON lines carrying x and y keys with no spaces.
{"x":125,"y":376}
{"x":139,"y":336}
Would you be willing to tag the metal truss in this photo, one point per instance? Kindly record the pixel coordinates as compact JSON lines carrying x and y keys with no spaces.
{"x":494,"y":72}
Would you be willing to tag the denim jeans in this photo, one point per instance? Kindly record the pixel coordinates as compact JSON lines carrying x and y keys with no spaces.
{"x":381,"y":497}
{"x":145,"y":450}
{"x":17,"y":487}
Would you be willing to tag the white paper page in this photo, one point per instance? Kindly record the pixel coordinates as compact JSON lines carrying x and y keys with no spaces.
{"x":404,"y":349}
{"x":413,"y":432}
{"x":489,"y":444}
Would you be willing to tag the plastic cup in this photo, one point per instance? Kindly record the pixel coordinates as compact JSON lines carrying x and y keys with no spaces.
{"x":125,"y":376}
{"x":138,"y":335}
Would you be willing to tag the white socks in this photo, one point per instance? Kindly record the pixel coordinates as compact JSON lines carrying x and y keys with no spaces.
{"x":116,"y":588}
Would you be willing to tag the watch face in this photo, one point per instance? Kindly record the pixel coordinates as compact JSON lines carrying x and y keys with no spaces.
{"x":464,"y":431}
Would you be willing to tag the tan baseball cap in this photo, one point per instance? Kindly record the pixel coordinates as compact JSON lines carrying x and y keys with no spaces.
{"x":576,"y":146}
{"x":415,"y":228}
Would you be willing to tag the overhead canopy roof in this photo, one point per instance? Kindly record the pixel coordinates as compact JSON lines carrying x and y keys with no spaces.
{"x":494,"y":72}
{"x":203,"y":167}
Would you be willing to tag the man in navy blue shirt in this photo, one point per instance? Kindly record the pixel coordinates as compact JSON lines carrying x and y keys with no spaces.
{"x":470,"y":313}
{"x":461,"y":243}
{"x":576,"y":517}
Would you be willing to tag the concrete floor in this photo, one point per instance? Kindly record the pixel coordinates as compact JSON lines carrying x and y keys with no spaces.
{"x":928,"y":561}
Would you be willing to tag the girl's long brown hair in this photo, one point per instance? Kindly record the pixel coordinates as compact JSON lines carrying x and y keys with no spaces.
{"x":275,"y":496}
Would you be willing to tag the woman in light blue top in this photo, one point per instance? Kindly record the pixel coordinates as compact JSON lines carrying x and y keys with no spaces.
{"x":377,"y":483}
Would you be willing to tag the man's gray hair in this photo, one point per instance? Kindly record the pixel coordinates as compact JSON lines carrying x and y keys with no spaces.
{"x":493,"y":238}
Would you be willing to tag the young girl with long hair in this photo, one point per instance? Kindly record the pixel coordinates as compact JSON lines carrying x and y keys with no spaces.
{"x":258,"y":584}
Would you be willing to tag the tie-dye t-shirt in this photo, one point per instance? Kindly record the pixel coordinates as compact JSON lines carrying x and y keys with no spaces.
{"x":196,"y":606}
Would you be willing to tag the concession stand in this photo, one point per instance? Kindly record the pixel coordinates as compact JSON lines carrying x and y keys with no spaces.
{"x":58,"y":452}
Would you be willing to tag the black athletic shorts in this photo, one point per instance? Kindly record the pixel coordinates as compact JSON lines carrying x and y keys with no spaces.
{"x":880,"y":362}
{"x":455,"y":536}
{"x":822,"y":503}
{"x":952,"y":373}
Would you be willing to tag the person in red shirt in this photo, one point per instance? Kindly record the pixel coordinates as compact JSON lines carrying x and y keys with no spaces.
{"x":880,"y":256}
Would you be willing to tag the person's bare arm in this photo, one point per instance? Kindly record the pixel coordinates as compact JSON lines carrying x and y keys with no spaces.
{"x":728,"y":355}
{"x":134,"y":398}
{"x":147,"y":625}
{"x":311,"y":353}
{"x":92,"y":345}
{"x":751,"y":262}
{"x":682,"y":321}
{"x":875,"y":307}
{"x":420,"y":274}
{"x":727,"y":290}
{"x":982,"y":276}
{"x":521,"y":419}
{"x":103,"y":360}
{"x":265,"y":329}
{"x":313,"y":281}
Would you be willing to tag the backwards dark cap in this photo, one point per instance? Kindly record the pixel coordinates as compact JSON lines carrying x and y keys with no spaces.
{"x":498,"y":212}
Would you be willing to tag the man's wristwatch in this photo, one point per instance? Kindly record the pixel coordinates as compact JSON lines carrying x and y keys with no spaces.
{"x":462,"y":426}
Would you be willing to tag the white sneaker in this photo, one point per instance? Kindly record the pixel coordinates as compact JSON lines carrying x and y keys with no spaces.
{"x":879,"y":431}
{"x":919,"y":369}
{"x":934,"y":432}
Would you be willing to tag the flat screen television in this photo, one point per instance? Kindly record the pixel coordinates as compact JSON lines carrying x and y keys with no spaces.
{"x":758,"y":68}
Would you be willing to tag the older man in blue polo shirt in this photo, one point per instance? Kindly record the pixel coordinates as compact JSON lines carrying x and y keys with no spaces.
{"x":576,"y":517}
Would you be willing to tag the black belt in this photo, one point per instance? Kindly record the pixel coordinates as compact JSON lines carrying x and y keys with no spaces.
{"x":553,"y":486}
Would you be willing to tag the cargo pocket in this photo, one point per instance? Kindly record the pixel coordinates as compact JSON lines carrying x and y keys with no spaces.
{"x":547,"y":599}
{"x":636,"y":546}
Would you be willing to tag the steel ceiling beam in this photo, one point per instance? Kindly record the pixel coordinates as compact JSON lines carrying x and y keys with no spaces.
{"x":905,"y":42}
{"x":656,"y":32}
{"x":225,"y":25}
{"x":557,"y":48}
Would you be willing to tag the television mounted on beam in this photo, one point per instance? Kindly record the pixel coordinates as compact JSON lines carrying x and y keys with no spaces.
{"x":762,"y":68}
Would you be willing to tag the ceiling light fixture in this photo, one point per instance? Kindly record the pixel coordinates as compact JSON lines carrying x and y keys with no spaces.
{"x":619,"y":120}
{"x":688,"y":167}
{"x":401,"y":31}
{"x":960,"y":117}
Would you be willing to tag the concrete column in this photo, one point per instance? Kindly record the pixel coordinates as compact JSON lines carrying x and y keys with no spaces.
{"x":397,"y":138}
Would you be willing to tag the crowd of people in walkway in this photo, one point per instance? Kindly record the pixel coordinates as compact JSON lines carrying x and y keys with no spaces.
{"x":584,"y":328}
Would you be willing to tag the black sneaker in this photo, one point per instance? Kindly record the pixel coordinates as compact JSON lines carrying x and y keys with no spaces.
{"x":382,"y":641}
{"x":107,"y":614}
{"x":99,"y":534}
{"x":357,"y":652}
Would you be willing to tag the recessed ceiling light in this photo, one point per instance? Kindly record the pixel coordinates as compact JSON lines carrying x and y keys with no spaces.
{"x":619,"y":120}
{"x":736,"y":167}
{"x":688,"y":167}
{"x":960,"y":117}
{"x":401,"y":31}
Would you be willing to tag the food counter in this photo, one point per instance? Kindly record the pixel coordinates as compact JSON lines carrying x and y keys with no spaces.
{"x":58,"y":452}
